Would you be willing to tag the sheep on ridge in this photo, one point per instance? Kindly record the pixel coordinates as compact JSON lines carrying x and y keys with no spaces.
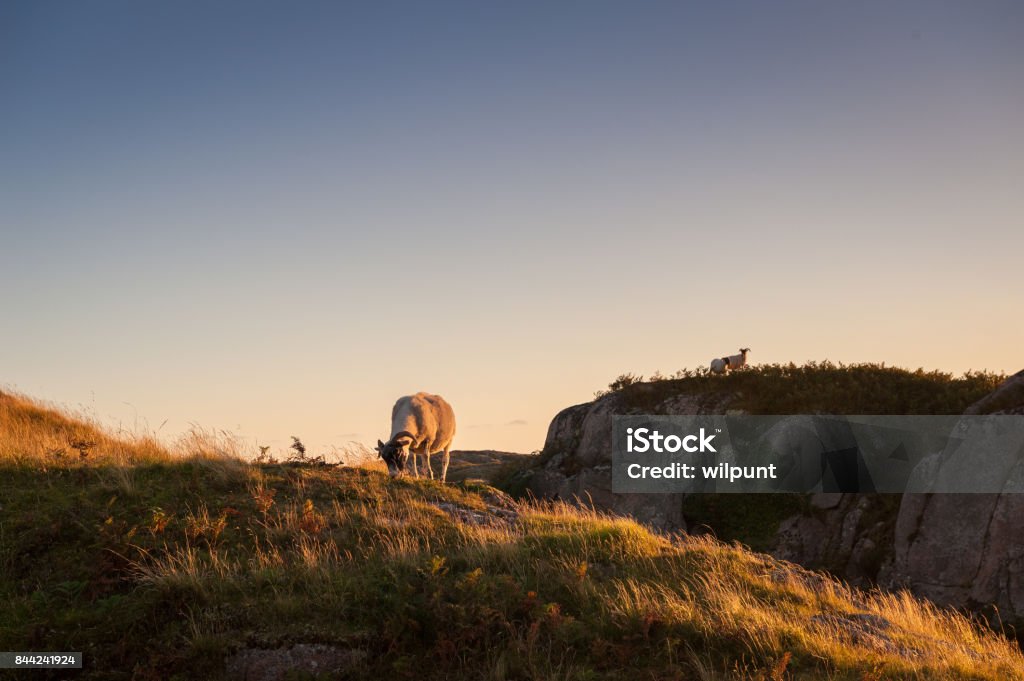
{"x":721,"y":365}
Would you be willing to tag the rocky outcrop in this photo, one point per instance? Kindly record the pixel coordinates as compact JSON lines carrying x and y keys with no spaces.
{"x":850,"y":535}
{"x":966,"y":550}
{"x":578,"y":453}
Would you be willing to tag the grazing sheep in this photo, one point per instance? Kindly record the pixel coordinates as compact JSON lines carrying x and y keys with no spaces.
{"x":721,"y":365}
{"x":420,"y":424}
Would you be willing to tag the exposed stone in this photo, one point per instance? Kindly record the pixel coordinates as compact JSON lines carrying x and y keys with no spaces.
{"x":494,"y":516}
{"x":495,"y":497}
{"x":802,"y":539}
{"x":578,"y":446}
{"x":564,"y":431}
{"x":966,"y":550}
{"x":851,"y":539}
{"x":826,"y":500}
{"x":848,"y":530}
{"x":258,"y":664}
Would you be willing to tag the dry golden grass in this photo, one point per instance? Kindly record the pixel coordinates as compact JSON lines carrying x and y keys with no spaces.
{"x":38,"y":435}
{"x":34,"y":433}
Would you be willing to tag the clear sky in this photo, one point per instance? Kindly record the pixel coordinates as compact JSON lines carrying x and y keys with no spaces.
{"x":277,"y":217}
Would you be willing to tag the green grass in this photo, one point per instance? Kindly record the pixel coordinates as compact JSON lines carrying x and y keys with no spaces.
{"x":165,"y":565}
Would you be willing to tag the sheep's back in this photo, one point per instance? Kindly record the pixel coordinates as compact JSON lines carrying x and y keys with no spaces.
{"x":428,"y":417}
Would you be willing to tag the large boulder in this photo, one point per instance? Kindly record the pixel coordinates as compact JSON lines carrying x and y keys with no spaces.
{"x":966,"y":550}
{"x":578,"y":452}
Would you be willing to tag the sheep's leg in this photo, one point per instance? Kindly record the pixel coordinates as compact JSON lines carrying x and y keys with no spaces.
{"x":444,"y":464}
{"x":412,"y":459}
{"x":426,"y":463}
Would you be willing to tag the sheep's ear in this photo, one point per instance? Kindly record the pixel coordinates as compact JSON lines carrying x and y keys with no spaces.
{"x":380,"y":445}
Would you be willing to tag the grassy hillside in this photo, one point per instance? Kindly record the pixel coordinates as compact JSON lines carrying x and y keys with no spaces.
{"x":191,"y":564}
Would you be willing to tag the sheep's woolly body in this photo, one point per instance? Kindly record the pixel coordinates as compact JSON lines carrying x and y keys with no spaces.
{"x":737,"y":361}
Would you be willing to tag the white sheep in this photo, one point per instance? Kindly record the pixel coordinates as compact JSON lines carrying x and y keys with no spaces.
{"x":421,"y":424}
{"x":721,"y":365}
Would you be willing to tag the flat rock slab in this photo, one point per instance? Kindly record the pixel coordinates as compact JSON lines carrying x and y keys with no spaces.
{"x":493,"y":516}
{"x":275,"y":664}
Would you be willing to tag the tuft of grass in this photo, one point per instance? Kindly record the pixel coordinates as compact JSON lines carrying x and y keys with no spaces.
{"x":200,"y":558}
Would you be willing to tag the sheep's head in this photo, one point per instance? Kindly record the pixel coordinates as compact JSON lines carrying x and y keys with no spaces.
{"x":395,"y":455}
{"x":744,"y":350}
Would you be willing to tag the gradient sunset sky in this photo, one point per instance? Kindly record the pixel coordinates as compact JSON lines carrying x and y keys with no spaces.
{"x":277,"y":217}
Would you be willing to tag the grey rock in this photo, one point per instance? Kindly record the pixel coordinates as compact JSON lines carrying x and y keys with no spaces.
{"x":277,"y":664}
{"x":826,"y":500}
{"x":852,"y":538}
{"x":802,"y":539}
{"x":579,"y":448}
{"x":494,"y":516}
{"x":965,"y":550}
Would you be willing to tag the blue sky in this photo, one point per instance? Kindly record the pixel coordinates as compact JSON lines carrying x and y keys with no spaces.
{"x":276,"y":218}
